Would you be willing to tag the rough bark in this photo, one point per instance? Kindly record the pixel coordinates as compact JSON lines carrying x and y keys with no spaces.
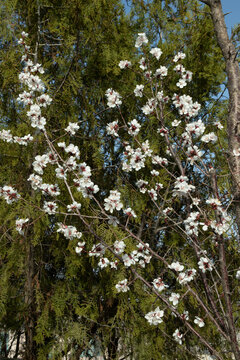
{"x":233,"y":84}
{"x":30,"y":346}
{"x":233,"y":128}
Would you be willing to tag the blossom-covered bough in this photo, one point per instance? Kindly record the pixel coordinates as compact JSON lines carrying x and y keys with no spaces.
{"x":178,"y":179}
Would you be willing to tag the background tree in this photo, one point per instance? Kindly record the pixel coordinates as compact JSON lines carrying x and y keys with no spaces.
{"x":78,"y":59}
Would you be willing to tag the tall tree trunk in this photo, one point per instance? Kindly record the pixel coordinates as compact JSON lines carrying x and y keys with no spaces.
{"x":30,"y":346}
{"x":233,"y":83}
{"x":233,"y":128}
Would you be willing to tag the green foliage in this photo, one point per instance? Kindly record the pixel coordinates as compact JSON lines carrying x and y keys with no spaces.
{"x":80,"y":47}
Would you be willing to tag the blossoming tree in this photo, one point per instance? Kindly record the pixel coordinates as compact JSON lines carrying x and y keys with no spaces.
{"x":174,"y":173}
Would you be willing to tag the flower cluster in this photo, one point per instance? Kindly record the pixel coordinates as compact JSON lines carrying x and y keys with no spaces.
{"x":155,"y":317}
{"x":205,"y":264}
{"x":6,"y":135}
{"x":20,"y":225}
{"x":122,"y":286}
{"x":9,"y":194}
{"x":64,"y":156}
{"x":112,"y":202}
{"x":70,"y":232}
{"x":113,"y":98}
{"x":159,"y":284}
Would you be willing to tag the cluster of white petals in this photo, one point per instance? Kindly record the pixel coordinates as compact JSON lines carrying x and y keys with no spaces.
{"x":178,"y":336}
{"x":159,"y":284}
{"x":238,"y":275}
{"x":97,"y":250}
{"x":141,"y":39}
{"x":6,"y":135}
{"x":124,"y":64}
{"x":185,"y":105}
{"x":129,"y":212}
{"x":79,"y":248}
{"x":155,"y":317}
{"x":205,"y":264}
{"x":193,"y":153}
{"x":176,"y":266}
{"x":192,"y":223}
{"x":74,"y":206}
{"x":112,"y":128}
{"x":187,"y":276}
{"x":134,"y":127}
{"x":9,"y":194}
{"x":199,"y":321}
{"x":156,"y":52}
{"x":211,"y":137}
{"x":119,"y":247}
{"x":122,"y":286}
{"x":150,"y":106}
{"x":179,"y":56}
{"x":72,"y":128}
{"x":103,"y":262}
{"x":142,"y":185}
{"x":136,"y":158}
{"x":70,"y":232}
{"x":138,"y":91}
{"x":112,"y":202}
{"x":174,"y":298}
{"x":161,"y":72}
{"x":50,"y":207}
{"x":20,"y":225}
{"x":181,"y":186}
{"x":113,"y":98}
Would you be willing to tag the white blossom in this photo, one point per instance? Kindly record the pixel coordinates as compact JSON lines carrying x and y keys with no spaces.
{"x":205,"y":264}
{"x":143,"y":64}
{"x":187,"y":276}
{"x":180,"y":55}
{"x":97,"y":250}
{"x":129,"y":212}
{"x":70,"y":232}
{"x":159,"y":284}
{"x":124,"y":64}
{"x":238,"y":275}
{"x":141,"y":39}
{"x":72,"y":128}
{"x":119,"y":246}
{"x":20,"y":225}
{"x":44,"y":100}
{"x":199,"y":321}
{"x":122,"y":286}
{"x":112,"y":128}
{"x":103,"y":262}
{"x":211,"y":137}
{"x":50,"y":207}
{"x":176,"y":266}
{"x":9,"y":194}
{"x":155,"y":317}
{"x":138,"y":91}
{"x":113,"y":202}
{"x":178,"y":336}
{"x":142,"y":185}
{"x":79,"y":248}
{"x":161,"y":72}
{"x":74,"y":206}
{"x":156,"y":52}
{"x":113,"y":98}
{"x":174,"y":298}
{"x":134,"y":127}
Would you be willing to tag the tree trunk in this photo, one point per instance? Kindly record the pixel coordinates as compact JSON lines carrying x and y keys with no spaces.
{"x":233,"y":84}
{"x":30,"y":346}
{"x":233,"y":128}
